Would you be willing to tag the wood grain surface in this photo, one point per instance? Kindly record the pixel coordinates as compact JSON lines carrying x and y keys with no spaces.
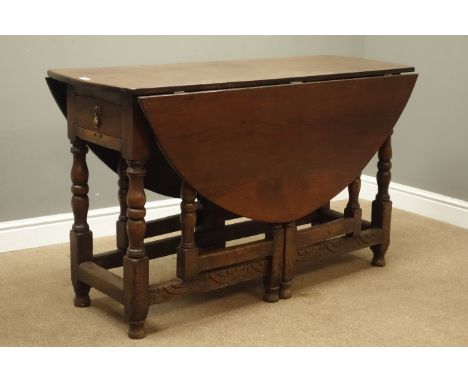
{"x":167,"y":78}
{"x":277,"y":153}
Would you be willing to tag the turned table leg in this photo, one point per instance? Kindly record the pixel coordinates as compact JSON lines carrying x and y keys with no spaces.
{"x":81,"y":238}
{"x":273,"y":279}
{"x":136,"y":264}
{"x":353,"y":209}
{"x":187,"y":253}
{"x":121,"y":224}
{"x":382,"y":205}
{"x":289,"y":260}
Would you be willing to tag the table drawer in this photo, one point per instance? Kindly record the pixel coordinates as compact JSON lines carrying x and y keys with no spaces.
{"x":100,"y":116}
{"x":95,"y":119}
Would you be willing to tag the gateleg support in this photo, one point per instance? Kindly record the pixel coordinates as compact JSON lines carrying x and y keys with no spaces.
{"x":273,"y":278}
{"x":289,"y":260}
{"x":353,"y":209}
{"x":187,"y":253}
{"x":81,"y":238}
{"x":382,"y":205}
{"x":135,"y":262}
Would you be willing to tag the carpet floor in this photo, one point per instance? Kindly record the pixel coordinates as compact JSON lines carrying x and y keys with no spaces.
{"x":418,"y":299}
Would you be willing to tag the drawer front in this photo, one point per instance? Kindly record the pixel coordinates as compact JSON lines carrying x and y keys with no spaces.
{"x":98,"y":121}
{"x":98,"y":115}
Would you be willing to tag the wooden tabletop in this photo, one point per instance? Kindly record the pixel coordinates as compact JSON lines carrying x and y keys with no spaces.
{"x":168,"y":78}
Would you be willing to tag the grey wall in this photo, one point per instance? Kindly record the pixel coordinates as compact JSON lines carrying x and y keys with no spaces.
{"x":34,"y":151}
{"x":430,"y":141}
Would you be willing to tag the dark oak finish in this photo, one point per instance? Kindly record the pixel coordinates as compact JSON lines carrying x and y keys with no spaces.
{"x":210,"y":218}
{"x":167,"y":291}
{"x":320,"y":232}
{"x":289,"y":260}
{"x":168,"y":246}
{"x":162,"y":226}
{"x":271,"y":139}
{"x":121,"y":224}
{"x":235,"y":255}
{"x":207,"y":238}
{"x":340,"y":245}
{"x":104,"y":281}
{"x":277,"y":125}
{"x":136,"y":263}
{"x":187,"y":263}
{"x":154,"y":250}
{"x":353,"y":209}
{"x":382,"y":205}
{"x":194,"y":76}
{"x":81,"y":238}
{"x":273,"y":277}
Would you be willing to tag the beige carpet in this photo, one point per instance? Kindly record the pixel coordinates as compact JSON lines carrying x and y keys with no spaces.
{"x":418,"y":299}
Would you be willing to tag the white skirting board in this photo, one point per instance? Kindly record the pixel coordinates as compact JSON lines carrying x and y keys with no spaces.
{"x":420,"y":202}
{"x":54,"y":229}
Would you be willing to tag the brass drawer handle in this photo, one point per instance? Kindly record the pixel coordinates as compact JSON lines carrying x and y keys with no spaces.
{"x":97,"y":116}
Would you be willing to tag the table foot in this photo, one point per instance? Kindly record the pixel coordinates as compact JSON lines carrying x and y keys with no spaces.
{"x":82,"y":301}
{"x":136,"y":330}
{"x":285,"y":290}
{"x":379,"y":257}
{"x":271,"y":294}
{"x":81,"y":238}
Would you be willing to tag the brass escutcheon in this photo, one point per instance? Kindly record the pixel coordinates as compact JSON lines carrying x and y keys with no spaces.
{"x":97,"y":116}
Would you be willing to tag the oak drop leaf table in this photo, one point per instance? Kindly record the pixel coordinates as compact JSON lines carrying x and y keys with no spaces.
{"x":271,"y":140}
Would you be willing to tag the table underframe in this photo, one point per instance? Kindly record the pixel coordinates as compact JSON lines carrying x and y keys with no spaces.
{"x":200,"y":237}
